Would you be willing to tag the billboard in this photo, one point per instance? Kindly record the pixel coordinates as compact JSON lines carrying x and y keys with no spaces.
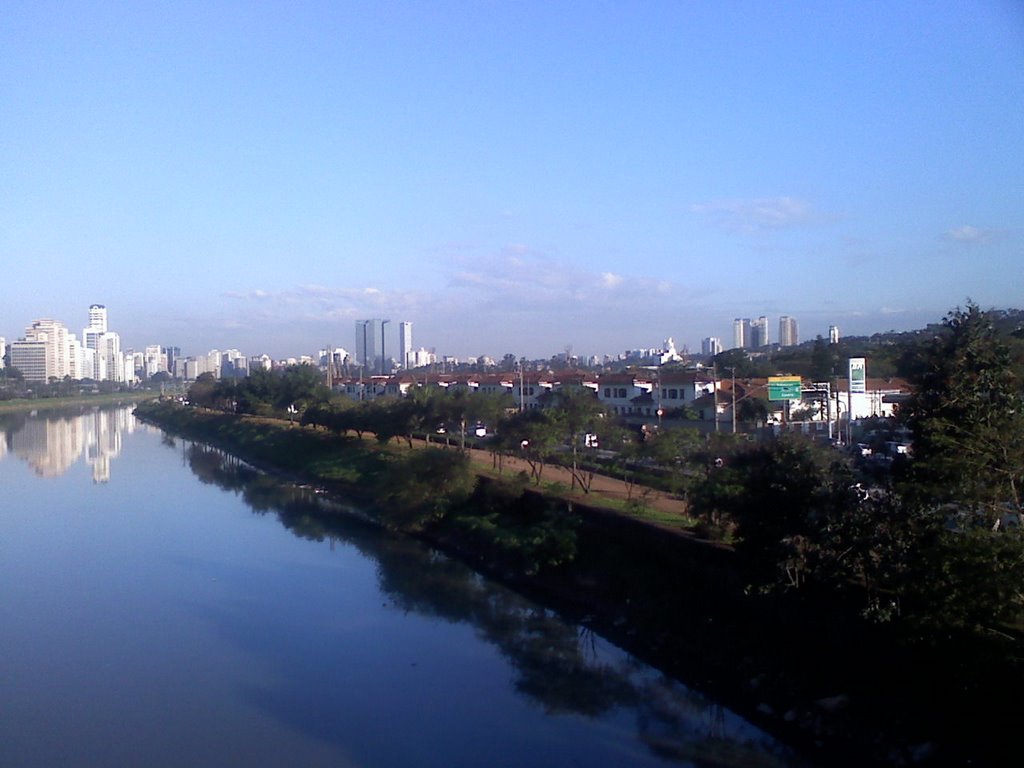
{"x":858,"y":376}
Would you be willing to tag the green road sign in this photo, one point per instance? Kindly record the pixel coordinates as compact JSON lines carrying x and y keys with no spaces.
{"x":783,"y":387}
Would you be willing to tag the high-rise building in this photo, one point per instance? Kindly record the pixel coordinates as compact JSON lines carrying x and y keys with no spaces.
{"x":30,"y":358}
{"x":741,"y":332}
{"x":370,"y":351}
{"x":833,"y":334}
{"x":3,"y":350}
{"x":366,"y":343}
{"x":405,"y":343}
{"x":173,"y":353}
{"x":710,"y":346}
{"x":108,"y":362}
{"x":759,"y":333}
{"x":788,"y":334}
{"x":55,"y":336}
{"x":98,"y":318}
{"x":154,"y":360}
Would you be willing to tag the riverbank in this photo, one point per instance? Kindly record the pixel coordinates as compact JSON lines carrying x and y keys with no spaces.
{"x":22,"y":405}
{"x":847,"y":693}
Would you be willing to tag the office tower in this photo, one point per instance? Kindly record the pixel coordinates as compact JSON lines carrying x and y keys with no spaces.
{"x":98,"y":318}
{"x":213,"y":363}
{"x":29,"y":357}
{"x":154,"y":360}
{"x":759,"y":333}
{"x":741,"y":333}
{"x":366,"y":343}
{"x":173,"y":353}
{"x":3,"y":350}
{"x":405,"y":343}
{"x":107,"y":362}
{"x":788,"y":335}
{"x":710,"y":346}
{"x":833,"y":334}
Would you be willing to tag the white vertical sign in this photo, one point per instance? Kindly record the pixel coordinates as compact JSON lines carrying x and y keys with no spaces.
{"x":858,"y":377}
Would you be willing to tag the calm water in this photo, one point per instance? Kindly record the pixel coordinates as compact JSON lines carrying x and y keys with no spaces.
{"x":163,"y":605}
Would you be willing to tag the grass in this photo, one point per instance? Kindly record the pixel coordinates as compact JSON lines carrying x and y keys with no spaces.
{"x":53,"y":403}
{"x":322,"y":456}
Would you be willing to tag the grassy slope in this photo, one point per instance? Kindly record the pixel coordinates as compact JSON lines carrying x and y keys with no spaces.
{"x":53,"y":403}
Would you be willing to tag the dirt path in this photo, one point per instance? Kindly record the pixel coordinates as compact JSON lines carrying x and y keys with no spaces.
{"x":601,"y":487}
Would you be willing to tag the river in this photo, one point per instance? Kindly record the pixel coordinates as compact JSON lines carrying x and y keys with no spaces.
{"x":162,"y":604}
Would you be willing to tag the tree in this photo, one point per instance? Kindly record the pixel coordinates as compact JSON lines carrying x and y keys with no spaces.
{"x":203,"y":391}
{"x":753,"y":409}
{"x":967,"y":419}
{"x":578,"y":412}
{"x":967,"y":422}
{"x":777,"y":494}
{"x":675,"y":450}
{"x":824,"y":359}
{"x":530,"y":435}
{"x":423,"y":487}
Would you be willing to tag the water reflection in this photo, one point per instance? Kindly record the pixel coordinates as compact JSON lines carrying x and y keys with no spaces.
{"x":563,"y":668}
{"x":52,"y":442}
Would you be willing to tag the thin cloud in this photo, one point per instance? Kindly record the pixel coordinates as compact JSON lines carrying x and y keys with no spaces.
{"x":519,"y":278}
{"x":757,"y":214}
{"x":315,"y":302}
{"x":969,"y":235}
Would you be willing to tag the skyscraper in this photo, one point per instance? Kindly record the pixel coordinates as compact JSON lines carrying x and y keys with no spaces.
{"x":712,"y":345}
{"x":98,"y":318}
{"x":788,"y":335}
{"x":405,"y":343}
{"x":370,"y":350}
{"x":833,"y":334}
{"x":48,"y":351}
{"x":759,"y":333}
{"x":107,"y":364}
{"x":741,"y":328}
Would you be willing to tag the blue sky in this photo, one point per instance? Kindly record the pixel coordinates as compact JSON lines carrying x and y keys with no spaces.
{"x":510,"y":176}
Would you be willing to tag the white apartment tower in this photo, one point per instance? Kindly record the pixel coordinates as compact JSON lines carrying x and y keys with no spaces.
{"x":788,"y":334}
{"x":47,"y":351}
{"x":833,"y":334}
{"x":98,"y":318}
{"x":711,"y":346}
{"x":741,"y":332}
{"x":405,"y":343}
{"x":107,"y":362}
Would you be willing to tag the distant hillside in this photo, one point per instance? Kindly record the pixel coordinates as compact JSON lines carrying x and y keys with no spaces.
{"x":888,"y":354}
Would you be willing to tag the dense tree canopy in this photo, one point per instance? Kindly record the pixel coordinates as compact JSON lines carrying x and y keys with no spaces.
{"x":967,"y":418}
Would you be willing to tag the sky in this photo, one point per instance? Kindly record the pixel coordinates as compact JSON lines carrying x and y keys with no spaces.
{"x":516,"y":177}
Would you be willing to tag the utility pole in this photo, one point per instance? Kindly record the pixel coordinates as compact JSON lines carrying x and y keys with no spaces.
{"x":522,"y":401}
{"x":714,"y":385}
{"x":733,"y":372}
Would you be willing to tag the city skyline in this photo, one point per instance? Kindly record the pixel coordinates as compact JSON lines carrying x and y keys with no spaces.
{"x":99,"y":350}
{"x":509,"y":178}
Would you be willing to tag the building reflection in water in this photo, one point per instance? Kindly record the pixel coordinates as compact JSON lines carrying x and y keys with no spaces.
{"x":51,"y":443}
